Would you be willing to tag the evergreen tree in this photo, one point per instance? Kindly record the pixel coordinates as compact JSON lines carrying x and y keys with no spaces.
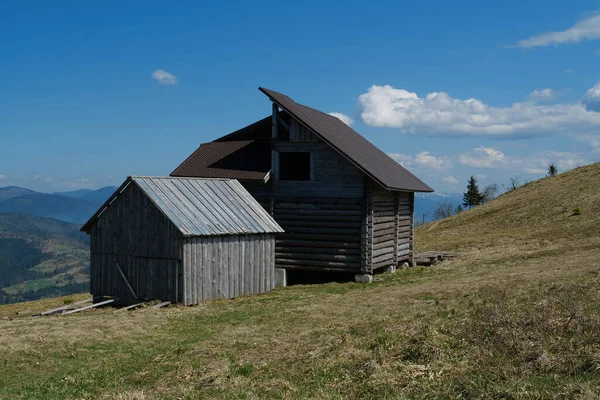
{"x":459,"y":209}
{"x":552,"y":170}
{"x":472,"y":197}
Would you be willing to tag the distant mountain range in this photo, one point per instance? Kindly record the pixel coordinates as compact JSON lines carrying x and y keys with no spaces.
{"x":75,"y":207}
{"x":427,"y":203}
{"x":41,"y":257}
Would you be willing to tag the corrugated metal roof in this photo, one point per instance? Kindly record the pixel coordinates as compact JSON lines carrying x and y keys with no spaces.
{"x":202,"y":207}
{"x":235,"y":159}
{"x":362,"y":153}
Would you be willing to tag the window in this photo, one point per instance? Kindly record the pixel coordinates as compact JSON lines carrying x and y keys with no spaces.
{"x":294,"y":166}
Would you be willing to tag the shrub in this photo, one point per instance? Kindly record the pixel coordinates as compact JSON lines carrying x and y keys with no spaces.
{"x":577,"y":211}
{"x":68,"y":300}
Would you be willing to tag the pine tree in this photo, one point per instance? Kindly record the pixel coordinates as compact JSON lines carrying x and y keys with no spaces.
{"x":472,"y":197}
{"x":552,"y":170}
{"x":459,"y":209}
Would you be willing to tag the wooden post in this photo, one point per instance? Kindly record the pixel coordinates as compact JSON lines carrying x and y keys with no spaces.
{"x":396,"y":227}
{"x":275,"y":122}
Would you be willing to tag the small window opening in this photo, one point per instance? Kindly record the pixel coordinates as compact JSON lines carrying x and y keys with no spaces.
{"x":294,"y":166}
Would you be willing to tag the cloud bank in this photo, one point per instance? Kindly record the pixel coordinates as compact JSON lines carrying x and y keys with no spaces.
{"x":587,"y":28}
{"x":438,"y":114}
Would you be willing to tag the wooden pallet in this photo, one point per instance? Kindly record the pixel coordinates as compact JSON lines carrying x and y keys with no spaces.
{"x":432,"y":257}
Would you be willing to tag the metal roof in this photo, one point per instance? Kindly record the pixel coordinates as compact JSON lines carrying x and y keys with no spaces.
{"x":358,"y":150}
{"x":201,"y":207}
{"x":234,"y":159}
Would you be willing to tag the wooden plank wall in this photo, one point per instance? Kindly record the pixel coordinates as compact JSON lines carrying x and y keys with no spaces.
{"x":392,"y":241}
{"x":224,"y":267}
{"x":145,"y":244}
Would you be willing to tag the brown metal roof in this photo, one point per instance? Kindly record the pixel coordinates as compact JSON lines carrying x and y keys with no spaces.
{"x":235,"y":159}
{"x":362,"y":153}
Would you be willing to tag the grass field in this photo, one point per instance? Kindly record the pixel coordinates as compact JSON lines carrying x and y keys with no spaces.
{"x":515,"y":316}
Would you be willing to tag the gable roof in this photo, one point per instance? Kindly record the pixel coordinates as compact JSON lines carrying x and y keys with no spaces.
{"x":236,"y":159}
{"x":200,"y":207}
{"x":349,"y":143}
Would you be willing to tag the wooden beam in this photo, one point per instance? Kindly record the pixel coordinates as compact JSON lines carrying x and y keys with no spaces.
{"x":56,"y":310}
{"x":161,"y":305}
{"x":126,"y":281}
{"x":102,"y":303}
{"x":129,"y":307}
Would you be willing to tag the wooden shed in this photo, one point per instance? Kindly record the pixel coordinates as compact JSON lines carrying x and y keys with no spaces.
{"x":344,"y":204}
{"x":181,"y":240}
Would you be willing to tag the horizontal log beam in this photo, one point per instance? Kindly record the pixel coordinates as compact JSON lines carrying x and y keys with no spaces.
{"x":319,"y":243}
{"x":317,"y":256}
{"x":384,"y":243}
{"x":325,"y":238}
{"x":317,"y":268}
{"x":318,"y":224}
{"x":314,"y":263}
{"x":319,"y":250}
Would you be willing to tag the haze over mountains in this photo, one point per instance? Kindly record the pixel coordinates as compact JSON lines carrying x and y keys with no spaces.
{"x":75,"y":207}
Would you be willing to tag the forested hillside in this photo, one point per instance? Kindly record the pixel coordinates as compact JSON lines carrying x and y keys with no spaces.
{"x":41,"y":257}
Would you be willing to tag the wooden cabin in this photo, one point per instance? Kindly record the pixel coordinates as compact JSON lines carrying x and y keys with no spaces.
{"x":181,"y":240}
{"x":344,"y":204}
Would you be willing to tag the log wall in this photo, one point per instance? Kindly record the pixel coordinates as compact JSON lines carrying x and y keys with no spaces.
{"x":319,"y":234}
{"x":391,"y":227}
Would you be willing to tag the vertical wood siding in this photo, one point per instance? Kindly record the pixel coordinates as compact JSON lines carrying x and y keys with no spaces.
{"x":224,"y":267}
{"x":147,"y":246}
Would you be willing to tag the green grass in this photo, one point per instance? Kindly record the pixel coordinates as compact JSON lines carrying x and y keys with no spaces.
{"x":515,"y":316}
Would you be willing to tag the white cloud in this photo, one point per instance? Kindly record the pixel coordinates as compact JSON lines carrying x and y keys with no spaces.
{"x":569,"y":71}
{"x":403,"y":159}
{"x":481,"y":176}
{"x":592,"y":142}
{"x":163,"y":77}
{"x":450,"y":179}
{"x":422,"y":160}
{"x":345,"y":119}
{"x":542,"y":94}
{"x":587,"y":28}
{"x":591,"y":100}
{"x":534,"y":171}
{"x":482,"y":157}
{"x":2,"y":177}
{"x":439,"y":114}
{"x":426,"y":160}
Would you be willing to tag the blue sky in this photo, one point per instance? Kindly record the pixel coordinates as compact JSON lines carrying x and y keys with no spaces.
{"x":449,"y":89}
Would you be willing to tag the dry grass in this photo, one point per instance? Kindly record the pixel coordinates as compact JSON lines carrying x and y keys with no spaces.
{"x":515,"y":316}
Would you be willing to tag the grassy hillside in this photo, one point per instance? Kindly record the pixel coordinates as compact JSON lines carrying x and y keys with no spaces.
{"x":41,"y":257}
{"x":515,"y":316}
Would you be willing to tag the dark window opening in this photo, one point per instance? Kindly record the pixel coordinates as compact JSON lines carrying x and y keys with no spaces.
{"x":294,"y":166}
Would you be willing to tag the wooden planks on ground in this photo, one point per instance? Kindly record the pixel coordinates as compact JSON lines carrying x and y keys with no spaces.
{"x":432,"y":257}
{"x":102,"y":303}
{"x":63,"y":308}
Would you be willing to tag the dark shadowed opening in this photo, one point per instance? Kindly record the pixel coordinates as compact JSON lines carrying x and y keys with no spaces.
{"x":310,"y":277}
{"x":294,"y":166}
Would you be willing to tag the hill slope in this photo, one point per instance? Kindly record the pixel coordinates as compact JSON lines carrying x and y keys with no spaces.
{"x":535,"y":220}
{"x":515,"y":316}
{"x":41,"y":257}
